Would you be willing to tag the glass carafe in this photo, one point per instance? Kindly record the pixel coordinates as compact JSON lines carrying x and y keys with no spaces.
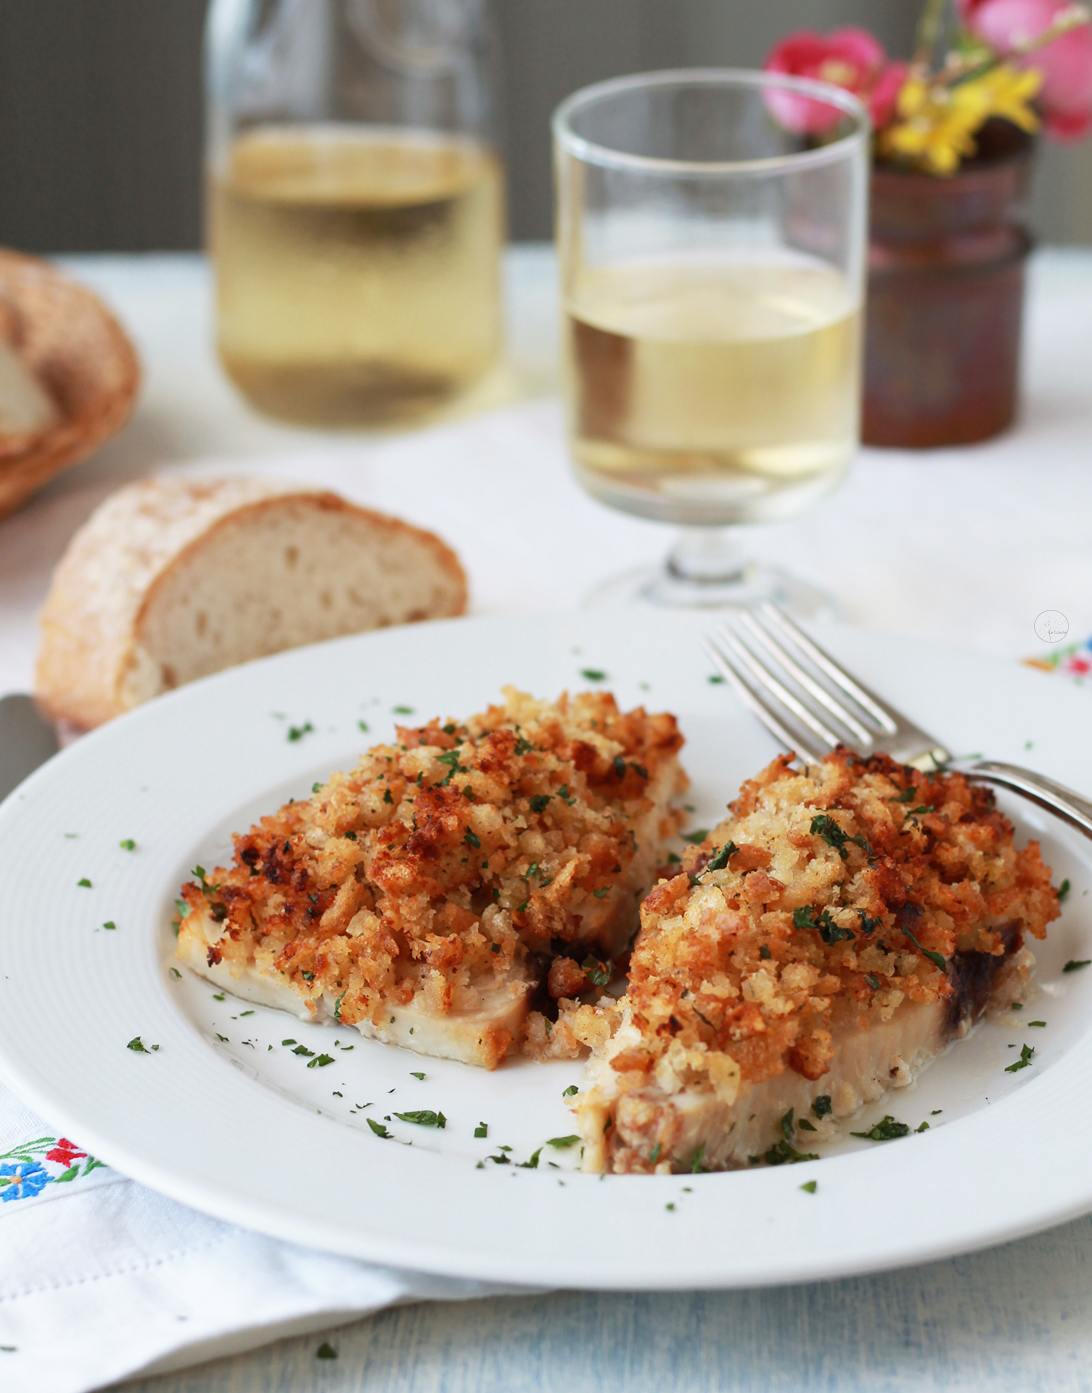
{"x":355,"y":204}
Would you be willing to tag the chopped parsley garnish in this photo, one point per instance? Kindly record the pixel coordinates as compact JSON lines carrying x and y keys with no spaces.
{"x":320,"y":1061}
{"x":129,"y":845}
{"x":593,"y":674}
{"x":1041,"y":1023}
{"x":175,"y":973}
{"x":198,"y":874}
{"x":415,"y":1075}
{"x":906,"y":796}
{"x":563,"y":1143}
{"x":298,"y":732}
{"x":283,"y":1042}
{"x":673,"y":859}
{"x":720,"y":860}
{"x":873,"y":981}
{"x":315,"y":787}
{"x":696,"y":837}
{"x":787,"y":1125}
{"x":696,"y":1167}
{"x":599,"y":974}
{"x":137,"y":1045}
{"x":922,"y":1127}
{"x":1063,"y":890}
{"x":805,"y":918}
{"x":539,"y":801}
{"x":84,"y":883}
{"x":822,"y":1106}
{"x":482,"y":1129}
{"x":715,"y":679}
{"x":304,"y":1051}
{"x":563,"y":794}
{"x":936,"y":958}
{"x":806,"y":1126}
{"x":887,"y":1129}
{"x":307,"y":976}
{"x":423,"y":1117}
{"x":378,"y":1128}
{"x":654,"y":1154}
{"x":867,"y":924}
{"x":600,"y":893}
{"x":810,"y":1186}
{"x":402,"y":710}
{"x":823,"y":825}
{"x":572,"y":1088}
{"x":1026,"y":1052}
{"x":670,"y":1208}
{"x":764,"y":951}
{"x":109,"y":924}
{"x":326,"y":1351}
{"x":523,"y":746}
{"x":363,"y":725}
{"x":1073,"y":965}
{"x":532,"y":1163}
{"x":387,"y":796}
{"x":451,"y":759}
{"x":472,"y":839}
{"x":337,"y":1009}
{"x":783,"y":1153}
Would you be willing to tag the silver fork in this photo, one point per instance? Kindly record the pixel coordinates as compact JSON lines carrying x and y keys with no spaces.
{"x":811,"y":704}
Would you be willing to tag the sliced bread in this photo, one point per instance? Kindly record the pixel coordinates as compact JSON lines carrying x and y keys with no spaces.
{"x":172,"y":579}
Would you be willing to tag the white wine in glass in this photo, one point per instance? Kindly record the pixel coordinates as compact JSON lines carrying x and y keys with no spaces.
{"x":712,"y":270}
{"x":713,"y":389}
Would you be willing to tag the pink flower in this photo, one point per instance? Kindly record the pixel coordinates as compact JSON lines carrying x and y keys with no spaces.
{"x":1066,"y":64}
{"x":849,"y":58}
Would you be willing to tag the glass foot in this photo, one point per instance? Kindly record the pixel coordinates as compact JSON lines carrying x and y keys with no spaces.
{"x":705,"y":571}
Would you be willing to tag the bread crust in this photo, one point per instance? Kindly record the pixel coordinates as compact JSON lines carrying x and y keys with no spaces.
{"x":108,"y":581}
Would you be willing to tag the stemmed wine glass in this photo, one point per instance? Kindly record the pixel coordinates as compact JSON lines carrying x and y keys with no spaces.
{"x":712,"y":258}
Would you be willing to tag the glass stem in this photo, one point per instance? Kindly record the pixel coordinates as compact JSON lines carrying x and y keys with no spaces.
{"x":706,"y":556}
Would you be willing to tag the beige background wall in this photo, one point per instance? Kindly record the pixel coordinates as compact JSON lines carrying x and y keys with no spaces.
{"x":100,"y":104}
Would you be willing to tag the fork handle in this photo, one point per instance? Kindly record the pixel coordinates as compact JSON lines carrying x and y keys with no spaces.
{"x":1056,"y":798}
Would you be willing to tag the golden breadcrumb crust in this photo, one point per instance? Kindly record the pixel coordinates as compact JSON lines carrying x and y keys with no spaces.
{"x":829,"y":896}
{"x":467,"y":853}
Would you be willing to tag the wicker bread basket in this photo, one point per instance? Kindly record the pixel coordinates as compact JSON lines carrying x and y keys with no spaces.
{"x":84,"y":359}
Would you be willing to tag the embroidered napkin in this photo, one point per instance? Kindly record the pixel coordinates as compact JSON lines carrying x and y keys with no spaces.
{"x":101,"y":1278}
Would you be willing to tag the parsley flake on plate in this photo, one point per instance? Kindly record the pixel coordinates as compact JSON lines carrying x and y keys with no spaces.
{"x":1026,"y":1053}
{"x":423,"y":1117}
{"x":137,"y":1045}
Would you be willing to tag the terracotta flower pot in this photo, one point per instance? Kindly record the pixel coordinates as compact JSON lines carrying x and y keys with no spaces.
{"x":945,"y":297}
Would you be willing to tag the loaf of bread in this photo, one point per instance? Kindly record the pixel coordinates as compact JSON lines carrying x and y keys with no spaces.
{"x":172,"y":579}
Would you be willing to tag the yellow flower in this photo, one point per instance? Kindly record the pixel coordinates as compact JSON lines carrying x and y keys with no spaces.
{"x":936,"y":123}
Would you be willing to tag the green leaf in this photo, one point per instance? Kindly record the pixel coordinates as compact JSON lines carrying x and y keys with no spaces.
{"x":137,"y":1045}
{"x":599,"y":974}
{"x":936,"y":958}
{"x":472,"y":839}
{"x":378,"y":1128}
{"x":128,"y":844}
{"x":1026,"y":1053}
{"x":84,"y":883}
{"x":539,"y":801}
{"x":482,"y":1129}
{"x":563,"y":1143}
{"x":720,"y":860}
{"x":1074,"y":966}
{"x":810,"y":1186}
{"x":572,"y":1088}
{"x":298,"y":732}
{"x":320,"y":1061}
{"x":696,"y":837}
{"x":109,"y":924}
{"x":822,"y":1106}
{"x":1063,"y":890}
{"x":782,"y":1153}
{"x":593,"y":674}
{"x":423,"y":1117}
{"x":887,"y":1129}
{"x":326,"y":1351}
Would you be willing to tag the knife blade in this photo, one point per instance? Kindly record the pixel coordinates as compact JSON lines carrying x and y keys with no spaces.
{"x":27,"y":739}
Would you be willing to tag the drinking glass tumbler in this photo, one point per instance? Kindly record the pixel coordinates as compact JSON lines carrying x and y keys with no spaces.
{"x":355,"y":206}
{"x":712,"y":257}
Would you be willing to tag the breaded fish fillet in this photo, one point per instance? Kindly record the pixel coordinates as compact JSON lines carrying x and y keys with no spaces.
{"x":423,"y":897}
{"x":823,"y":945}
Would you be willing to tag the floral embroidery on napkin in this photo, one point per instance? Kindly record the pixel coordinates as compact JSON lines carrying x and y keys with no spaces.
{"x":1074,"y":660}
{"x":28,"y":1168}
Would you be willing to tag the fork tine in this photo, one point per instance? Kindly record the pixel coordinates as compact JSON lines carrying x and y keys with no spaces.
{"x":890,"y":719}
{"x":756,"y":703}
{"x":780,"y":655}
{"x":765,"y":678}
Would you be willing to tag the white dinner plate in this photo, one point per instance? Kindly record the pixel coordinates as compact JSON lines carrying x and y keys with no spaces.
{"x":222,"y":1113}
